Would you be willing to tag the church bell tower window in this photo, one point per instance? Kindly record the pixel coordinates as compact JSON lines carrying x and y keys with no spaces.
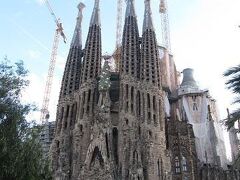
{"x":184,"y":164}
{"x":177,"y":165}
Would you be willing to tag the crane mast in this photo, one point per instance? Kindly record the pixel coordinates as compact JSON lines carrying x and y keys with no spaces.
{"x":163,"y":10}
{"x":46,"y":98}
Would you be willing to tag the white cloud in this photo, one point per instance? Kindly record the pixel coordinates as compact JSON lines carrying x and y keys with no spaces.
{"x":208,"y":40}
{"x":35,"y":92}
{"x":34,"y":54}
{"x":40,"y":2}
{"x":60,"y":62}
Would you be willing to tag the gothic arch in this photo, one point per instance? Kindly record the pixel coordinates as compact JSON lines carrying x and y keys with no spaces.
{"x":96,"y":156}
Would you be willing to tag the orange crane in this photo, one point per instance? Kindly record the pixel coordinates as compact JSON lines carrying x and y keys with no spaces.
{"x":46,"y":98}
{"x":163,"y":10}
{"x":117,"y":52}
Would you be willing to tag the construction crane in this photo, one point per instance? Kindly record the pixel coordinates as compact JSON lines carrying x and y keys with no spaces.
{"x":117,"y":52}
{"x":163,"y":10}
{"x":46,"y":98}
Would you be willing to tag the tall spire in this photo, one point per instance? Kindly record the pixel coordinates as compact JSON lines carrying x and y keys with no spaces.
{"x":147,"y":23}
{"x":95,"y":19}
{"x":130,"y":11}
{"x":149,"y":66}
{"x":77,"y":36}
{"x":72,"y":72}
{"x":130,"y":43}
{"x":93,"y":48}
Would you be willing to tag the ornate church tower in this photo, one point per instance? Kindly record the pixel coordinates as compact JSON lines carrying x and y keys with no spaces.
{"x":124,"y":125}
{"x":71,"y":76}
{"x":110,"y":125}
{"x":89,"y":150}
{"x":93,"y":49}
{"x":77,"y":99}
{"x":130,"y":162}
{"x":67,"y":107}
{"x":141,"y":122}
{"x":156,"y":162}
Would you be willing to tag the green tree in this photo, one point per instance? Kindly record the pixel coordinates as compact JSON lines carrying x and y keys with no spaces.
{"x":20,"y":153}
{"x":233,"y":83}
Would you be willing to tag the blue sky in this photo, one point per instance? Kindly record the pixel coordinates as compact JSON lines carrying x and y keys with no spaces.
{"x":204,"y":36}
{"x":28,"y":29}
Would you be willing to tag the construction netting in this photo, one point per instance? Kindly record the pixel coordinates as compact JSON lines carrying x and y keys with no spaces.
{"x":208,"y":132}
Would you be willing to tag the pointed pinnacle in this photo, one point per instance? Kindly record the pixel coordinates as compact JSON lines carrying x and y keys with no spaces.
{"x":77,"y":36}
{"x":130,"y":11}
{"x":147,"y":23}
{"x":81,"y":6}
{"x":95,"y":19}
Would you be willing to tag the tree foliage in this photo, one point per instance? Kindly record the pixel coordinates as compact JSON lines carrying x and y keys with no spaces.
{"x":233,"y":83}
{"x":20,"y":153}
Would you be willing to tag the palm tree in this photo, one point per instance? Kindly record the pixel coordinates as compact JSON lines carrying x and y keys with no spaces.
{"x":233,"y":83}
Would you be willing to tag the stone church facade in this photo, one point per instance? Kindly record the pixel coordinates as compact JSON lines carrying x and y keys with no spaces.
{"x":126,"y":125}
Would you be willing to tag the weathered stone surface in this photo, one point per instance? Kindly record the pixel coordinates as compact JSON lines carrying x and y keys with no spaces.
{"x":126,"y":125}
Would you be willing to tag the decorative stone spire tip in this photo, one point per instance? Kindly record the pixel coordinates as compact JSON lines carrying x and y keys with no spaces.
{"x":77,"y":36}
{"x":147,"y":23}
{"x":95,"y":20}
{"x":130,"y":11}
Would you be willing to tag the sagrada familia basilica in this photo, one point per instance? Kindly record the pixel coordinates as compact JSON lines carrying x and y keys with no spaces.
{"x":138,"y":122}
